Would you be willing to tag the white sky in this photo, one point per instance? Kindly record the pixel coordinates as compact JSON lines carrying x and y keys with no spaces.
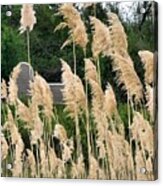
{"x":126,"y":8}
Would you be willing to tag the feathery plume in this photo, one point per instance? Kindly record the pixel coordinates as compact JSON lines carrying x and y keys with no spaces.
{"x":13,"y":87}
{"x":74,"y":171}
{"x":28,"y":19}
{"x":126,"y":75}
{"x":61,"y":169}
{"x":44,"y":160}
{"x":78,"y":168}
{"x":150,"y":102}
{"x":94,"y":168}
{"x":53,"y":161}
{"x":143,"y":163}
{"x":140,"y":163}
{"x":60,"y":133}
{"x":110,"y":108}
{"x":42,"y":95}
{"x":4,"y":147}
{"x":67,"y":152}
{"x":99,"y":115}
{"x":147,"y":59}
{"x":120,"y":155}
{"x":37,"y":130}
{"x":73,"y":92}
{"x":102,"y":151}
{"x":101,"y":37}
{"x":142,"y":132}
{"x":18,"y":142}
{"x":117,"y":34}
{"x":23,"y":112}
{"x":90,"y":70}
{"x":3,"y":89}
{"x":75,"y":24}
{"x":31,"y":162}
{"x":110,"y":103}
{"x":12,"y":128}
{"x":17,"y":168}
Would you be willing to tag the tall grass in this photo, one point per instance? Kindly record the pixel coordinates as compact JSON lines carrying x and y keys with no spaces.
{"x":85,"y":138}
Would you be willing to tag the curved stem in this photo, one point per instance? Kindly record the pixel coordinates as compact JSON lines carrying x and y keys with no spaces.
{"x":28,"y":50}
{"x":87,"y":115}
{"x":74,"y":56}
{"x":78,"y":140}
{"x":94,"y":9}
{"x":98,"y":70}
{"x":28,"y":46}
{"x":87,"y":120}
{"x":129,"y":126}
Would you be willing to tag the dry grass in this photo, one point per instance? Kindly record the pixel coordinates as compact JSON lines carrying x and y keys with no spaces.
{"x":110,"y":152}
{"x":73,"y":21}
{"x":28,"y":19}
{"x":101,"y":37}
{"x":147,"y":59}
{"x":126,"y":75}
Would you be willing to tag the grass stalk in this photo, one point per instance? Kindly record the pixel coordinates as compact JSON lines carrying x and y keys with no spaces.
{"x":78,"y":140}
{"x":28,"y":46}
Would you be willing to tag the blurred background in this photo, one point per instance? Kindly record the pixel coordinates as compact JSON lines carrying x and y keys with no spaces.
{"x":138,"y":19}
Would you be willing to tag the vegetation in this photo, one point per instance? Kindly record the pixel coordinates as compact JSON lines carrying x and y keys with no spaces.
{"x":103,"y":129}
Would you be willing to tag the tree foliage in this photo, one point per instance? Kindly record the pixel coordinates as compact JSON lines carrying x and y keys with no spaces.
{"x":45,"y":43}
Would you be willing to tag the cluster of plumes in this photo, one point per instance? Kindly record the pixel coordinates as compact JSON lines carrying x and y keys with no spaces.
{"x":107,"y":99}
{"x":122,"y":63}
{"x":43,"y":161}
{"x":109,"y":39}
{"x":111,"y":155}
{"x":120,"y":157}
{"x":73,"y":21}
{"x":142,"y":134}
{"x":104,"y":107}
{"x":110,"y":141}
{"x":28,"y":19}
{"x":73,"y":92}
{"x":16,"y":142}
{"x":112,"y":41}
{"x":112,"y":147}
{"x":41,"y":95}
{"x":30,"y":115}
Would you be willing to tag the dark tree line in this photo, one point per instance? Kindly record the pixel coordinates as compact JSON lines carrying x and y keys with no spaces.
{"x":45,"y":43}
